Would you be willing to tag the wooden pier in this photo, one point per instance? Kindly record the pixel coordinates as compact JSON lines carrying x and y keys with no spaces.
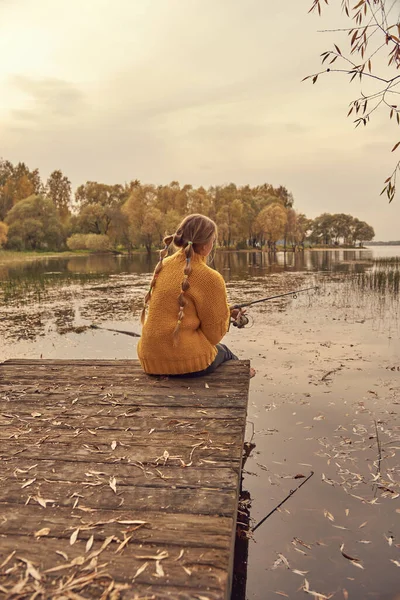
{"x":117,"y":485}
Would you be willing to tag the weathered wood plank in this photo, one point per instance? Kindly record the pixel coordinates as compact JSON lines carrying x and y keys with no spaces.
{"x":95,"y":445}
{"x":206,"y":565}
{"x":127,"y":474}
{"x":174,"y":529}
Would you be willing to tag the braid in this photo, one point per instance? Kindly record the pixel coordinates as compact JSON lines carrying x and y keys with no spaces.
{"x":184,"y":288}
{"x":163,"y":253}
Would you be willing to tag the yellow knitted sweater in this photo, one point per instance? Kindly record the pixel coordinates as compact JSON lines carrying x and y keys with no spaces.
{"x":205,"y":321}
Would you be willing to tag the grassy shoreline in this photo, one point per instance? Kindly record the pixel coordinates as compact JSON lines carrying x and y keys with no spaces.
{"x":8,"y":256}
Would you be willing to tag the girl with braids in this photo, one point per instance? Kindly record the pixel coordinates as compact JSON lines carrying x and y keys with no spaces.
{"x":187,"y":309}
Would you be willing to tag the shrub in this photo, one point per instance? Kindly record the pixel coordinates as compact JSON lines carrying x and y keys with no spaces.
{"x":77,"y":241}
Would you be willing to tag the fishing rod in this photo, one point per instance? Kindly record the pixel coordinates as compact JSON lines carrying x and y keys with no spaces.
{"x":245,"y":304}
{"x":242,"y":320}
{"x":132,"y":333}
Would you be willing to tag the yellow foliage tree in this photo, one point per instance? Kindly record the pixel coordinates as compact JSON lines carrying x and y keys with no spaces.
{"x":271,"y":221}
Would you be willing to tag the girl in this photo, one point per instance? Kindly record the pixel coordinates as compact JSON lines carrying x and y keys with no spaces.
{"x":188,"y":312}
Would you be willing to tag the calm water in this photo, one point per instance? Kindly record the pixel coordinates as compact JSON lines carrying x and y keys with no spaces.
{"x":326,"y":379}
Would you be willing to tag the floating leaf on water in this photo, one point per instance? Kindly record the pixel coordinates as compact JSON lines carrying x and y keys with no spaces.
{"x":328,"y":515}
{"x":326,"y":480}
{"x":345,"y":594}
{"x":42,"y":532}
{"x":319,"y":596}
{"x":74,"y":536}
{"x":113,"y":445}
{"x":389,"y":540}
{"x":363,"y":525}
{"x":113,"y":484}
{"x":187,"y":571}
{"x":36,"y":414}
{"x":284,"y":560}
{"x":347,"y":511}
{"x":281,"y":594}
{"x":364,"y":542}
{"x":355,"y":561}
{"x":302,"y":573}
{"x":206,"y":385}
{"x":396,"y":562}
{"x":63,"y":554}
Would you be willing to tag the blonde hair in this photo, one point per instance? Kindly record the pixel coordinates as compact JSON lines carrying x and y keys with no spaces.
{"x":194,"y":232}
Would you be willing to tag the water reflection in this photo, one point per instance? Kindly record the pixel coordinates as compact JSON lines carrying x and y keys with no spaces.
{"x":237,"y":265}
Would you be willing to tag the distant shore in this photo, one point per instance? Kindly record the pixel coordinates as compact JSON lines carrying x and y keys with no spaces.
{"x":8,"y":256}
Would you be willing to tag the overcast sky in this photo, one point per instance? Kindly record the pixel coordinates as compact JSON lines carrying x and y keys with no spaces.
{"x":200,"y":91}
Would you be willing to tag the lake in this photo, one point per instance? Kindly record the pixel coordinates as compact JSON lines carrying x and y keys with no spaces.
{"x":325,"y":398}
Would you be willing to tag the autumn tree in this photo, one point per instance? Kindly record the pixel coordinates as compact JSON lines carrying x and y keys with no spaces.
{"x":140,"y":209}
{"x":271,"y":221}
{"x":373,"y":31}
{"x":34,"y":224}
{"x":58,"y":189}
{"x":16,"y":183}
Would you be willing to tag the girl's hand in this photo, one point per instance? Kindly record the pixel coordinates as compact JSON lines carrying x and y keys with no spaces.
{"x":236,"y":311}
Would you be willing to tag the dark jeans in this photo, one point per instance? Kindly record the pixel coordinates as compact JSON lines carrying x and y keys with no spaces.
{"x":223,"y":355}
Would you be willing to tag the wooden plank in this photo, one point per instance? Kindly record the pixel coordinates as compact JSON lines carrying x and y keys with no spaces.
{"x":127,"y":474}
{"x":134,"y":465}
{"x":210,"y":531}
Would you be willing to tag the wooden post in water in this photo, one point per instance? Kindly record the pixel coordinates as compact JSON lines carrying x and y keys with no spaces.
{"x":116,"y":484}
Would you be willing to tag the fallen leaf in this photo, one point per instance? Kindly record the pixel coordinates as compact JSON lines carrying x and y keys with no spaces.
{"x":159,"y":570}
{"x":74,"y":536}
{"x":42,"y":532}
{"x":30,"y":569}
{"x":140,"y":570}
{"x":160,"y":556}
{"x":28,"y":483}
{"x":113,"y":484}
{"x":89,"y":543}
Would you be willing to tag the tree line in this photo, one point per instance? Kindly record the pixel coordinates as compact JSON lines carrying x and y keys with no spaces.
{"x":47,"y":215}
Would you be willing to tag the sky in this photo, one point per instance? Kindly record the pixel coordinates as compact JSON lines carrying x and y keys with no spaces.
{"x":205,"y":92}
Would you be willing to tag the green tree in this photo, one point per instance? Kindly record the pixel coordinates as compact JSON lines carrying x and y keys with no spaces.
{"x":361,"y":232}
{"x":34,"y":224}
{"x":322,"y":232}
{"x":374,"y":30}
